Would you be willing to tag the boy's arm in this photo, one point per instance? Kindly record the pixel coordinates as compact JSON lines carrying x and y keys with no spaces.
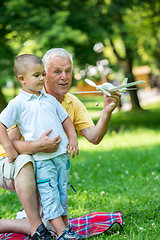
{"x":72,"y":137}
{"x":7,"y":144}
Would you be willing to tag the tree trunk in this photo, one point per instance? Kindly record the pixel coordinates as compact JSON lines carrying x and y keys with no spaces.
{"x":127,"y":68}
{"x":133,"y":94}
{"x":126,"y":64}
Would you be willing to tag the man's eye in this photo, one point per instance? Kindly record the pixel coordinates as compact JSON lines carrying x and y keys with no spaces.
{"x":36,"y":75}
{"x":56,"y":72}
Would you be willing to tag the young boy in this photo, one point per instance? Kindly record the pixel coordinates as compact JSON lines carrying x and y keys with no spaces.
{"x":35,"y":111}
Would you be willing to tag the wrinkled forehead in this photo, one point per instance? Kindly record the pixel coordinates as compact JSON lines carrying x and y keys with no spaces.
{"x":60,"y":62}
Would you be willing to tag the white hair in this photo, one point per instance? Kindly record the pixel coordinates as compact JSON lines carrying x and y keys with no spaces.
{"x":54,"y":52}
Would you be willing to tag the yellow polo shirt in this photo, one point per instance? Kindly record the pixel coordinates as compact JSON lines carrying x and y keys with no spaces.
{"x":77,"y":112}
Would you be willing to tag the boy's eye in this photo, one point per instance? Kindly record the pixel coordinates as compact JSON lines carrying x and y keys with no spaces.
{"x":36,"y":75}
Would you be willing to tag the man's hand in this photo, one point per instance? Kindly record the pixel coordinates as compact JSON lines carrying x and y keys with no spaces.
{"x":110,"y":103}
{"x":48,"y":144}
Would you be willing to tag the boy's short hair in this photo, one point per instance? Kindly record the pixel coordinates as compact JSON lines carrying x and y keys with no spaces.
{"x":23,"y":62}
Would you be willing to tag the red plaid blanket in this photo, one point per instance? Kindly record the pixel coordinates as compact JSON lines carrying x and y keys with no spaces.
{"x":87,"y":225}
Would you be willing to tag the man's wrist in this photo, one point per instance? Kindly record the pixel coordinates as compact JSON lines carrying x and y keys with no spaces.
{"x":106,"y":114}
{"x":37,"y":146}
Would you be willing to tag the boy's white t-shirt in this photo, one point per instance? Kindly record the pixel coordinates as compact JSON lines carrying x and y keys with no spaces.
{"x":34,"y":115}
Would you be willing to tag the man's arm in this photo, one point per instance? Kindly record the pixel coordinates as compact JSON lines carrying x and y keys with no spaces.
{"x":12,"y":154}
{"x":96,"y":133}
{"x":43,"y":144}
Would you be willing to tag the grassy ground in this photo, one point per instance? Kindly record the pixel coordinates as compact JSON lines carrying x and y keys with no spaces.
{"x":122,"y":173}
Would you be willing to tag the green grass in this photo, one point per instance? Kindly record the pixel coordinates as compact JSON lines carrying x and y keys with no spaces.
{"x":122,"y":173}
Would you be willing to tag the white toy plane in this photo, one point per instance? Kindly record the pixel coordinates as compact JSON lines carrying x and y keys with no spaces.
{"x":108,"y":87}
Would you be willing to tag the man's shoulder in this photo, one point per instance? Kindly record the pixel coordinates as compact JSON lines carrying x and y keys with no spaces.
{"x":71,"y":98}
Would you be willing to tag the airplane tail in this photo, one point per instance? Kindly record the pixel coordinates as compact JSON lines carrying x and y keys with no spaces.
{"x":125,"y":81}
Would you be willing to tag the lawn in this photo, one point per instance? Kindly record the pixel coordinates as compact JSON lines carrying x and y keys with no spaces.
{"x":122,"y":173}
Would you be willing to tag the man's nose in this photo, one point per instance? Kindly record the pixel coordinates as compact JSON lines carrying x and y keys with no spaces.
{"x":63,"y":75}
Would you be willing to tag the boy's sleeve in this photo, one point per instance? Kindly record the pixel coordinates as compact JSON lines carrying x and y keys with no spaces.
{"x":61,"y":111}
{"x":9,"y":115}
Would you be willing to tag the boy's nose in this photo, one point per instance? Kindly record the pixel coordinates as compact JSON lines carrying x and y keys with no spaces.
{"x":42,"y":78}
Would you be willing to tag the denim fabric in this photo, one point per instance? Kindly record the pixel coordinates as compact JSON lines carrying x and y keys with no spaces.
{"x":53,"y":181}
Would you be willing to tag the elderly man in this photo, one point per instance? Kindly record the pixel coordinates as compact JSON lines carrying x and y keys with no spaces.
{"x":58,"y":65}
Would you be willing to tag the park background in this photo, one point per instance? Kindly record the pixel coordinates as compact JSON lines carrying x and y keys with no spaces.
{"x":109,"y":40}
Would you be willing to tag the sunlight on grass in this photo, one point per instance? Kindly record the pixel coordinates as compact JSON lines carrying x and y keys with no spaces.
{"x":136,"y":138}
{"x":154,"y":106}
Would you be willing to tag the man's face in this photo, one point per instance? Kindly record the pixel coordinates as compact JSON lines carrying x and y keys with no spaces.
{"x":59,"y":77}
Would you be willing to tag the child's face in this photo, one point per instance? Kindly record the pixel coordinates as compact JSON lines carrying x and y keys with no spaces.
{"x":33,"y":80}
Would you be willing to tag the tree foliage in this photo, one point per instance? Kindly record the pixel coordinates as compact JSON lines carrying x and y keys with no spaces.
{"x":129,"y":28}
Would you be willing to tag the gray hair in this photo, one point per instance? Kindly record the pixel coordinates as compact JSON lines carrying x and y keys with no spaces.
{"x":54,"y":52}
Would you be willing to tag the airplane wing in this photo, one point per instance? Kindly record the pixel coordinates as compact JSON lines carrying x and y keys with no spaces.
{"x":124,"y":86}
{"x":103,"y":90}
{"x":133,"y":83}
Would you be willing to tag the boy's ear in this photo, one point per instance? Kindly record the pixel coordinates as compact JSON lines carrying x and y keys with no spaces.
{"x":21,"y":78}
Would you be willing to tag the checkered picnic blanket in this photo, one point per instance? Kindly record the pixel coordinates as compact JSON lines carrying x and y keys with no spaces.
{"x":87,"y":225}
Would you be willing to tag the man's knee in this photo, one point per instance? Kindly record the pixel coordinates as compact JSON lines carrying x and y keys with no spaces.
{"x":23,"y":164}
{"x":27,"y":168}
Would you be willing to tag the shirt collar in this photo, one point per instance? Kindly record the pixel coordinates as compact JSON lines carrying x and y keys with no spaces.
{"x":28,"y":96}
{"x":67,"y":98}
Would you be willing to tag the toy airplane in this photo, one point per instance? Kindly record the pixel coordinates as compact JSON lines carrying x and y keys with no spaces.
{"x":108,"y":87}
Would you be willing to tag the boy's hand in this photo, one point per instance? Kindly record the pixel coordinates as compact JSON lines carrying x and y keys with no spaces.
{"x":73,"y":146}
{"x":12,"y":154}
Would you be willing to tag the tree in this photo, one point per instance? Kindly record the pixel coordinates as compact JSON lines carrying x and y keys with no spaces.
{"x":34,"y":26}
{"x":102,"y":20}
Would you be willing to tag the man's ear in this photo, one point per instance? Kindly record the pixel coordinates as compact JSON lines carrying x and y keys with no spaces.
{"x":45,"y":76}
{"x":21,"y":79}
